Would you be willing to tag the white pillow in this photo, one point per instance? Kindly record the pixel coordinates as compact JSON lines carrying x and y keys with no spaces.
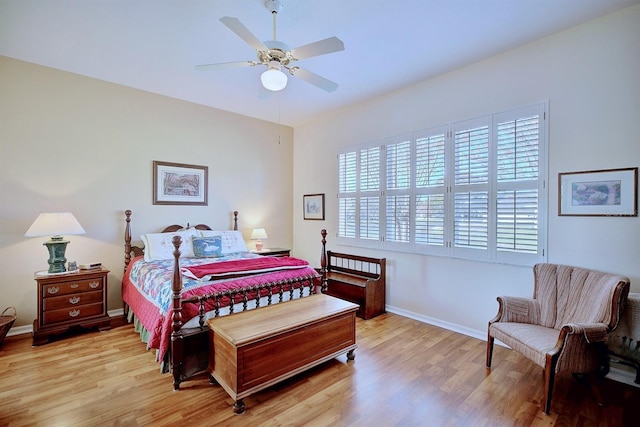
{"x":232,"y":241}
{"x":158,"y":246}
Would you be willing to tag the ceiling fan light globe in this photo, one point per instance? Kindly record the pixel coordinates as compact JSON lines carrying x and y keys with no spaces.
{"x":274,"y":79}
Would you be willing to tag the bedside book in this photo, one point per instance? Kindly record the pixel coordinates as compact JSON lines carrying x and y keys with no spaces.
{"x":90,"y":266}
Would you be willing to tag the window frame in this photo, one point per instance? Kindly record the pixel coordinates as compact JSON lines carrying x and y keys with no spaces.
{"x":450,"y":188}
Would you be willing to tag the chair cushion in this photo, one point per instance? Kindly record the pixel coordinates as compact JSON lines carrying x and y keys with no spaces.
{"x":532,"y":341}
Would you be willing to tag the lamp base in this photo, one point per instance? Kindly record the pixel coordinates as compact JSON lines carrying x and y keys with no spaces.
{"x":56,"y":248}
{"x":259,"y":245}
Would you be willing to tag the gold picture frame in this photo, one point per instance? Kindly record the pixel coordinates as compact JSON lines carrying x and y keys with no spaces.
{"x":179,"y":184}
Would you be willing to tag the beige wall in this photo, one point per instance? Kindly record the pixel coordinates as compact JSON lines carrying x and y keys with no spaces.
{"x":71,"y":143}
{"x":590,"y":77}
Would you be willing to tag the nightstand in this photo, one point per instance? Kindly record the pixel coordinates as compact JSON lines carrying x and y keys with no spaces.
{"x":70,"y":300}
{"x":273,"y":252}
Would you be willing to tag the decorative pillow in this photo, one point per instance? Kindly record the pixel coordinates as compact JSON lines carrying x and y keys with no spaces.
{"x":232,"y":241}
{"x":207,"y":246}
{"x":158,"y":246}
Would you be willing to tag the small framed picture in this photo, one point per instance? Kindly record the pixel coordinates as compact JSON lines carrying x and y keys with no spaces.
{"x":610,"y":192}
{"x":313,"y":205}
{"x":179,"y":184}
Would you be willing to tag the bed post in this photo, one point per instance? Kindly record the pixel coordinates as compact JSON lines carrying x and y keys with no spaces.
{"x":177,"y":344}
{"x":235,"y":220}
{"x":127,"y":257}
{"x":127,"y":240}
{"x":323,"y":261}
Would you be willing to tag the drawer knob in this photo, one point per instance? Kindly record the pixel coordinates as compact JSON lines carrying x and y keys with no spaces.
{"x":53,"y":290}
{"x":74,"y":300}
{"x":94,"y":285}
{"x":74,"y":313}
{"x":74,"y":286}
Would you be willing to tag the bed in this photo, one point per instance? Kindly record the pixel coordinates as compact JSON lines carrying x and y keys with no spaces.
{"x":182,"y":276}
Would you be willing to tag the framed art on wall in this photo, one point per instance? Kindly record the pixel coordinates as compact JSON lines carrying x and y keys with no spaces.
{"x":313,"y":205}
{"x":179,"y":184}
{"x":612,"y":192}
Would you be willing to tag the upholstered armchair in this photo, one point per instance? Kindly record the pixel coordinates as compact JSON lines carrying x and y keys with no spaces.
{"x":564,"y":327}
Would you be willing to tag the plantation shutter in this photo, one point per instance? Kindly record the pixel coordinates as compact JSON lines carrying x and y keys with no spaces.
{"x":347,"y":186}
{"x":517,"y":179}
{"x":370,"y":193}
{"x":471,"y":186}
{"x":398,"y":191}
{"x":429,"y":201}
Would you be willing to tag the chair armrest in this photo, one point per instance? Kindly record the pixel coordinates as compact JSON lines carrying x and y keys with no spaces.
{"x":593,"y":332}
{"x":517,"y":309}
{"x":572,"y":340}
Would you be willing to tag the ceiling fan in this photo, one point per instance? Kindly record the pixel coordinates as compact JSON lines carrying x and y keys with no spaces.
{"x":276,"y":55}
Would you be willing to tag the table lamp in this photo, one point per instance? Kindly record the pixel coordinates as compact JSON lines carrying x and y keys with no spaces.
{"x":55,"y":225}
{"x":258,"y":234}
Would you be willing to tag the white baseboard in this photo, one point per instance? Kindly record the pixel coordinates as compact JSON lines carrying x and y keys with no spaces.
{"x":18,"y":330}
{"x":115,"y":313}
{"x":28,"y":329}
{"x":474,"y":333}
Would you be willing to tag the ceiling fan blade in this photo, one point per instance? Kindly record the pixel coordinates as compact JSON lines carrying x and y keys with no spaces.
{"x":322,"y":47}
{"x":225,"y":65}
{"x":243,"y":32}
{"x":314,"y":79}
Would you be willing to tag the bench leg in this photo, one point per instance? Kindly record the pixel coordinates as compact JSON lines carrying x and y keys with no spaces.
{"x":238,"y":407}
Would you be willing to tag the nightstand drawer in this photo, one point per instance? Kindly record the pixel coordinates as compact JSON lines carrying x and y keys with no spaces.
{"x":65,"y":288}
{"x":72,"y":300}
{"x":72,"y":313}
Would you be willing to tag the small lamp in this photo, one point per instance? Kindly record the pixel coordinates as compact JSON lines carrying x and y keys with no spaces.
{"x":258,"y":234}
{"x":55,"y":224}
{"x":274,"y":79}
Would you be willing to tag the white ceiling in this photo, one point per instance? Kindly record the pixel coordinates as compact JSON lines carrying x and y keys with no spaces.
{"x":154,"y":45}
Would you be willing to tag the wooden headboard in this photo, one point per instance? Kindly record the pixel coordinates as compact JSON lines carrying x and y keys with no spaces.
{"x":130,"y":249}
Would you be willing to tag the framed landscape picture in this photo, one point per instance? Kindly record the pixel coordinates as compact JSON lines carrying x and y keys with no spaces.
{"x":179,"y":184}
{"x":313,"y":205}
{"x":611,"y":192}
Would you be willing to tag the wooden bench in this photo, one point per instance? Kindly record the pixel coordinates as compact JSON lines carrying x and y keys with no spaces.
{"x":355,"y":278}
{"x":255,"y":349}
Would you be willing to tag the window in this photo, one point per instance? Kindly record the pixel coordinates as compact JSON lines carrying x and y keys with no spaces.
{"x":473,"y":189}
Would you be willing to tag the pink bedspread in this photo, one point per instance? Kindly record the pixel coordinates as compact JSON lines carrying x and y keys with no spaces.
{"x":156,"y":316}
{"x":243,"y":267}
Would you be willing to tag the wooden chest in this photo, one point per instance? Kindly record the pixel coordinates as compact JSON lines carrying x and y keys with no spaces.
{"x":255,"y":349}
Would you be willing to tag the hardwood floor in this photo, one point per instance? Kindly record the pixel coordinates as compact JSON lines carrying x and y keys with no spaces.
{"x":406,"y":373}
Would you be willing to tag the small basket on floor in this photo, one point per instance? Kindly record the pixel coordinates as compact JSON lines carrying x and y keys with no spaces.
{"x":6,"y":321}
